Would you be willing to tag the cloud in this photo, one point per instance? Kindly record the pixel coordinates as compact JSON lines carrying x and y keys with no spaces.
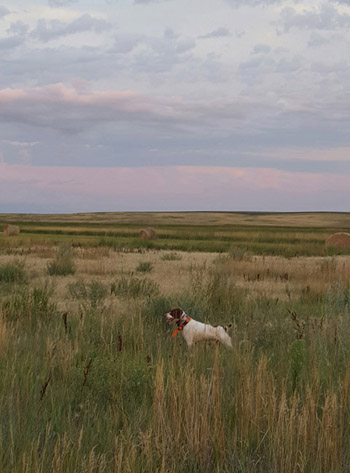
{"x":10,"y":42}
{"x":220,"y":32}
{"x":17,"y":32}
{"x":70,"y":110}
{"x":132,"y":59}
{"x":22,"y":150}
{"x":317,"y":40}
{"x":21,"y":144}
{"x":61,"y":64}
{"x":160,"y":55}
{"x":136,"y":122}
{"x":145,"y":2}
{"x":265,"y":66}
{"x":48,"y":30}
{"x":75,"y":189}
{"x":261,"y":49}
{"x":4,"y":11}
{"x":60,"y":3}
{"x":323,"y":17}
{"x":251,"y":3}
{"x":124,"y":44}
{"x":18,"y":28}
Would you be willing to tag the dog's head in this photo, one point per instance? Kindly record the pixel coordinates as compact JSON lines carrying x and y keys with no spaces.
{"x":176,"y":314}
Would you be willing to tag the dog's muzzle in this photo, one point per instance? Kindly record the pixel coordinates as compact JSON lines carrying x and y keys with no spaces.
{"x":169,"y":318}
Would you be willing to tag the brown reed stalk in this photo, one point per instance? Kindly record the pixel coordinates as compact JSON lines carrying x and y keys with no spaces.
{"x":299,"y":326}
{"x":120,"y":342}
{"x":44,"y":388}
{"x":86,"y":371}
{"x":64,"y":317}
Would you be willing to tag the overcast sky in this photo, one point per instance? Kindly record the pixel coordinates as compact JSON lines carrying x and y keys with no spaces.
{"x":110,"y":105}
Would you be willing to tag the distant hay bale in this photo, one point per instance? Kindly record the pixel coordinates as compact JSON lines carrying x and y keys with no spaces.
{"x":147,"y":234}
{"x":11,"y":230}
{"x":339,"y":240}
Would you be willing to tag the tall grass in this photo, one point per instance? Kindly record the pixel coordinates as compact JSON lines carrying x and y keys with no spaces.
{"x":63,"y":263}
{"x":12,"y":273}
{"x":109,"y":390}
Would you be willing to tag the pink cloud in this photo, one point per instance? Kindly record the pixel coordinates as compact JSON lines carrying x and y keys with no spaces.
{"x":174,"y":188}
{"x":11,"y":95}
{"x":125,"y":100}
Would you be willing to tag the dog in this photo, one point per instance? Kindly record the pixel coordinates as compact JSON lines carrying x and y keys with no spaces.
{"x":194,"y":331}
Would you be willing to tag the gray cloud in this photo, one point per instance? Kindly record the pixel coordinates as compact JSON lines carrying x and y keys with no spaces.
{"x":10,"y":42}
{"x":256,"y":69}
{"x":261,"y":49}
{"x":325,"y":17}
{"x":202,"y":105}
{"x":144,"y":2}
{"x":60,"y":65}
{"x":213,"y":69}
{"x":3,"y":11}
{"x":71,"y":111}
{"x":161,"y":55}
{"x":317,"y":40}
{"x":60,"y":3}
{"x":251,"y":3}
{"x":218,"y":33}
{"x":18,"y":28}
{"x":130,"y":55}
{"x":48,"y":30}
{"x":124,"y":44}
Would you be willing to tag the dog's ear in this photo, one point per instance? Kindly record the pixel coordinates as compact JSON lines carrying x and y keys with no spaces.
{"x":176,"y":312}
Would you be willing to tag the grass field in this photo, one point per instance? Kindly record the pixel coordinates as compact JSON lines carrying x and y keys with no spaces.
{"x":91,"y":380}
{"x":261,"y":234}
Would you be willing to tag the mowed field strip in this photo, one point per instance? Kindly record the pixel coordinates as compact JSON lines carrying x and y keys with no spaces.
{"x":275,"y":234}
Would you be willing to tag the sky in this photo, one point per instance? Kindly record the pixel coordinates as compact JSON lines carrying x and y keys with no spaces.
{"x":170,"y":105}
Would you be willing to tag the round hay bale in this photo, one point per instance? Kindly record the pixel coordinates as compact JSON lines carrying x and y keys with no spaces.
{"x":339,"y":240}
{"x":147,"y":234}
{"x":11,"y":230}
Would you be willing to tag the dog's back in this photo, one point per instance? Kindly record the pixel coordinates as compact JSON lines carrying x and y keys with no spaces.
{"x":196,"y":331}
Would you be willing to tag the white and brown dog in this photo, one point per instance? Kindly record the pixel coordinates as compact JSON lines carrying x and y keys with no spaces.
{"x":194,"y":331}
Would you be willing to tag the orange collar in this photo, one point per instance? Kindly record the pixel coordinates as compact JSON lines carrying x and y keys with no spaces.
{"x":181,"y":325}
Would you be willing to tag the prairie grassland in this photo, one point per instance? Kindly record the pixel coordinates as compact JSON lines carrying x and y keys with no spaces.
{"x":289,"y":219}
{"x":91,"y":380}
{"x":286,"y":235}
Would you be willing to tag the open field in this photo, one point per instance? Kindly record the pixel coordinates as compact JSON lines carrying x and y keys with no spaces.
{"x":91,"y":380}
{"x":261,"y":234}
{"x":299,"y":219}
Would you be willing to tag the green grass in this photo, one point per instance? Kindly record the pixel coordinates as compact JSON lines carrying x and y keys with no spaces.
{"x":92,"y":293}
{"x":91,"y":380}
{"x":144,"y":267}
{"x":171,"y":257}
{"x":12,"y":273}
{"x":63,"y":264}
{"x":112,"y":392}
{"x":264,"y":240}
{"x":133,"y":287}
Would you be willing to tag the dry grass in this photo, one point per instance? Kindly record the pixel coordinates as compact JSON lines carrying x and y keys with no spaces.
{"x":105,"y":388}
{"x":301,"y":219}
{"x":269,"y":275}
